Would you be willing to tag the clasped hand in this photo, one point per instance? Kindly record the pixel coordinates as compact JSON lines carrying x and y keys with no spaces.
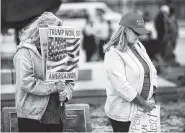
{"x":148,"y":106}
{"x":61,"y":86}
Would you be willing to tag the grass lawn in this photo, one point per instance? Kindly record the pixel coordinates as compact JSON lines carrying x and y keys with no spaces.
{"x":172,"y":118}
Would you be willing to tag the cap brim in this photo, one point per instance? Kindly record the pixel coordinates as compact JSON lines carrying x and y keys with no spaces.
{"x":141,"y":31}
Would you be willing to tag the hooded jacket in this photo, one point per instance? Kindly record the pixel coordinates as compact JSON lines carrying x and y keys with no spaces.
{"x":32,"y":93}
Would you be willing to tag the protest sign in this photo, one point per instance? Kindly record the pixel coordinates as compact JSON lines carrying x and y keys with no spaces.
{"x":146,"y":122}
{"x":60,"y":46}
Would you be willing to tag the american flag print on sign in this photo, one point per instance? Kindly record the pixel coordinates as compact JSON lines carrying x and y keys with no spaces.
{"x":63,"y":54}
{"x":60,"y":47}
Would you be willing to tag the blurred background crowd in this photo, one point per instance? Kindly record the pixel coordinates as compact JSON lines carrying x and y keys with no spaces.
{"x":98,"y":19}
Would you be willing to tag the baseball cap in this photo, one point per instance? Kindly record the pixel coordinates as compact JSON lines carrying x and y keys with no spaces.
{"x":135,"y":22}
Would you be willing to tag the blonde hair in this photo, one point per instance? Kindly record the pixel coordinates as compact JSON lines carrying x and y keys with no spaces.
{"x":30,"y":33}
{"x":118,"y":38}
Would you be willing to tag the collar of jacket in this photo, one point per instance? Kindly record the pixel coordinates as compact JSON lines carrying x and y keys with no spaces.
{"x":29,"y":46}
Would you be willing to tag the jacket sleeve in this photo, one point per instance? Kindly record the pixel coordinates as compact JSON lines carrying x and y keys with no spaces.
{"x":115,"y":70}
{"x":69,"y":88}
{"x":26,"y":80}
{"x":154,"y":72}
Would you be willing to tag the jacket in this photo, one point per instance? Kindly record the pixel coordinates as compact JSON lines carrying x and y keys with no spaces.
{"x":125,"y":76}
{"x":32,"y":93}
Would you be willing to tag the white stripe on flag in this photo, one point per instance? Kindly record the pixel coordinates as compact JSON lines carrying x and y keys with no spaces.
{"x":72,"y":47}
{"x":52,"y":63}
{"x":71,"y":40}
{"x":75,"y":52}
{"x":64,"y":67}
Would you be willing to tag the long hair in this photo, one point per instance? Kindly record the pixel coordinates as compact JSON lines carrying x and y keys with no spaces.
{"x":118,"y":38}
{"x":30,"y":33}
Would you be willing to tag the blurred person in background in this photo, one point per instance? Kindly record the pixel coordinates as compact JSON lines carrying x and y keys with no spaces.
{"x":149,"y":25}
{"x":132,"y":76}
{"x":161,"y":25}
{"x":101,"y":32}
{"x":172,"y":38}
{"x":150,"y":40}
{"x":38,"y":102}
{"x":89,"y":44}
{"x":110,"y":29}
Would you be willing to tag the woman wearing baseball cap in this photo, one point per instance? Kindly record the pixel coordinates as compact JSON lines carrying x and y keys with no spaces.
{"x":131,"y":74}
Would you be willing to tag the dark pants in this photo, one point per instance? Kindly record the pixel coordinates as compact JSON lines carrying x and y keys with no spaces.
{"x":101,"y":53}
{"x":89,"y":46}
{"x":119,"y":126}
{"x":30,"y":125}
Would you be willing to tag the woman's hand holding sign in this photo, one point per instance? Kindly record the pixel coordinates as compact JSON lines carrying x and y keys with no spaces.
{"x":146,"y":105}
{"x":62,"y":94}
{"x":60,"y":86}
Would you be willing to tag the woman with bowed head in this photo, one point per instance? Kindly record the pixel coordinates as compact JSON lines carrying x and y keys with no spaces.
{"x":38,"y":102}
{"x":131,"y":74}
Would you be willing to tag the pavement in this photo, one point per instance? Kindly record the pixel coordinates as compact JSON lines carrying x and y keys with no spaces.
{"x":179,"y":51}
